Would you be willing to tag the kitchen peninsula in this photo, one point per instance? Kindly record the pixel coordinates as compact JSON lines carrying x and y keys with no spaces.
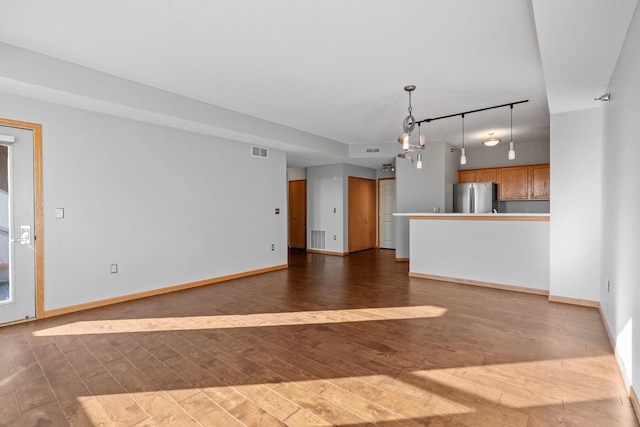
{"x":506,"y":251}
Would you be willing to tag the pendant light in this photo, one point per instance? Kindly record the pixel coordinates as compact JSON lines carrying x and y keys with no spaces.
{"x":408,"y":126}
{"x":463,"y":156}
{"x":512,"y":145}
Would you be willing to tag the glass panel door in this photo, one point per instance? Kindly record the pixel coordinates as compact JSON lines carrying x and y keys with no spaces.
{"x":17,"y":220}
{"x":5,"y":289}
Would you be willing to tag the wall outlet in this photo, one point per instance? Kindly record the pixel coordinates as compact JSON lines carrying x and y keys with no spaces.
{"x":277,"y":211}
{"x":273,"y":247}
{"x":59,"y":213}
{"x":113,"y":268}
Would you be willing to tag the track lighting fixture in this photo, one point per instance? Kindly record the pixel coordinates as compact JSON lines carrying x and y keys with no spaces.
{"x":409,"y":123}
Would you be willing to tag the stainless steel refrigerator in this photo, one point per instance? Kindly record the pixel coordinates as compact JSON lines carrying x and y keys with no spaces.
{"x":475,"y":197}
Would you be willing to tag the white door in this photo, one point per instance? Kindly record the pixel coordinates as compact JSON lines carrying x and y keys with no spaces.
{"x":387,"y":199}
{"x":17,"y":221}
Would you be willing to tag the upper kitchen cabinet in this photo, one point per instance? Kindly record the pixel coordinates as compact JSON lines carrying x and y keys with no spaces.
{"x":478,"y":175}
{"x":529,"y":182}
{"x":486,"y":175}
{"x":466,"y":176}
{"x":539,"y":182}
{"x":513,"y":183}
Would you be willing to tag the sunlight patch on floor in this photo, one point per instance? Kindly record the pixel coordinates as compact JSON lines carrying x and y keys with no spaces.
{"x":243,"y":320}
{"x":523,"y":385}
{"x":501,"y":391}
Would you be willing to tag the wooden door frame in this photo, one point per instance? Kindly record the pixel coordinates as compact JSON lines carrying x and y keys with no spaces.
{"x":39,"y":213}
{"x":379,"y":216}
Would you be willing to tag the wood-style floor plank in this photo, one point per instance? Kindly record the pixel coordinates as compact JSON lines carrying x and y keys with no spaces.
{"x":349,"y":341}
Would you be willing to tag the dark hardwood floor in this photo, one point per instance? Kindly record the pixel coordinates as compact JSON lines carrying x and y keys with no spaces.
{"x":348,"y":341}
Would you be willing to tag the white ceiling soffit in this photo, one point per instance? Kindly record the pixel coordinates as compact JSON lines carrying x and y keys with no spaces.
{"x":314,"y":77}
{"x":580,"y":42}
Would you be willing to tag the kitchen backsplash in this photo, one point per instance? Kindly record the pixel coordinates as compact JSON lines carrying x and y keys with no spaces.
{"x":524,"y":206}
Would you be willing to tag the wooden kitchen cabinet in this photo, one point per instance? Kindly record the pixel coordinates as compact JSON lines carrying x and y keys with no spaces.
{"x":478,"y":175}
{"x":528,"y":182}
{"x":466,"y":176}
{"x":513,"y":183}
{"x":539,"y":182}
{"x":486,"y":175}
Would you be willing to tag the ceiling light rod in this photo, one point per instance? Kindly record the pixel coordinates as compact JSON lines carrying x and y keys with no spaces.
{"x":511,"y":104}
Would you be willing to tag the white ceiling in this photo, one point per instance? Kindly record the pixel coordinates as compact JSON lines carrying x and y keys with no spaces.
{"x":337,"y":69}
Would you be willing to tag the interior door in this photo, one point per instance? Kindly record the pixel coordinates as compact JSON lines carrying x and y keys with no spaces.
{"x":298,"y":214}
{"x":362,"y":214}
{"x":17,"y":225}
{"x":387,"y":201}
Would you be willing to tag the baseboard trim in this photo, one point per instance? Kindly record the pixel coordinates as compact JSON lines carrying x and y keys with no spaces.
{"x":402,"y":259}
{"x":481,"y":284}
{"x":316,"y":251}
{"x":632,"y":393}
{"x":574,"y":301}
{"x":634,"y":403}
{"x":606,"y":328}
{"x":139,"y":295}
{"x":17,"y":322}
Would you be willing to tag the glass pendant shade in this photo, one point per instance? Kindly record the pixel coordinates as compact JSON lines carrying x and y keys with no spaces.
{"x":419,"y":161}
{"x":512,"y":150}
{"x":404,"y":140}
{"x":463,"y":157}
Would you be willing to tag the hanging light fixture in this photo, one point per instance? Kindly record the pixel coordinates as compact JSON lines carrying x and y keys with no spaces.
{"x":463,"y":154}
{"x":408,"y":126}
{"x":512,"y":145}
{"x":410,"y":122}
{"x":491,"y":140}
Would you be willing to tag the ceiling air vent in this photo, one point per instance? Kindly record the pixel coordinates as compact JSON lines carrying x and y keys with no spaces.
{"x":373,"y":150}
{"x":259,"y":151}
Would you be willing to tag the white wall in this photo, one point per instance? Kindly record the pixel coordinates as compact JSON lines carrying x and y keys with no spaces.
{"x":511,"y":253}
{"x":527,"y":153}
{"x":621,"y":202}
{"x":168,"y":206}
{"x":325,"y":188}
{"x":423,"y":190}
{"x":576,"y":186}
{"x":328,"y":189}
{"x":296,"y":174}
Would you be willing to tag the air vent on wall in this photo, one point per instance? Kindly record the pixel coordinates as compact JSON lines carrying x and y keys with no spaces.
{"x":373,"y":150}
{"x":259,"y":151}
{"x":317,"y":240}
